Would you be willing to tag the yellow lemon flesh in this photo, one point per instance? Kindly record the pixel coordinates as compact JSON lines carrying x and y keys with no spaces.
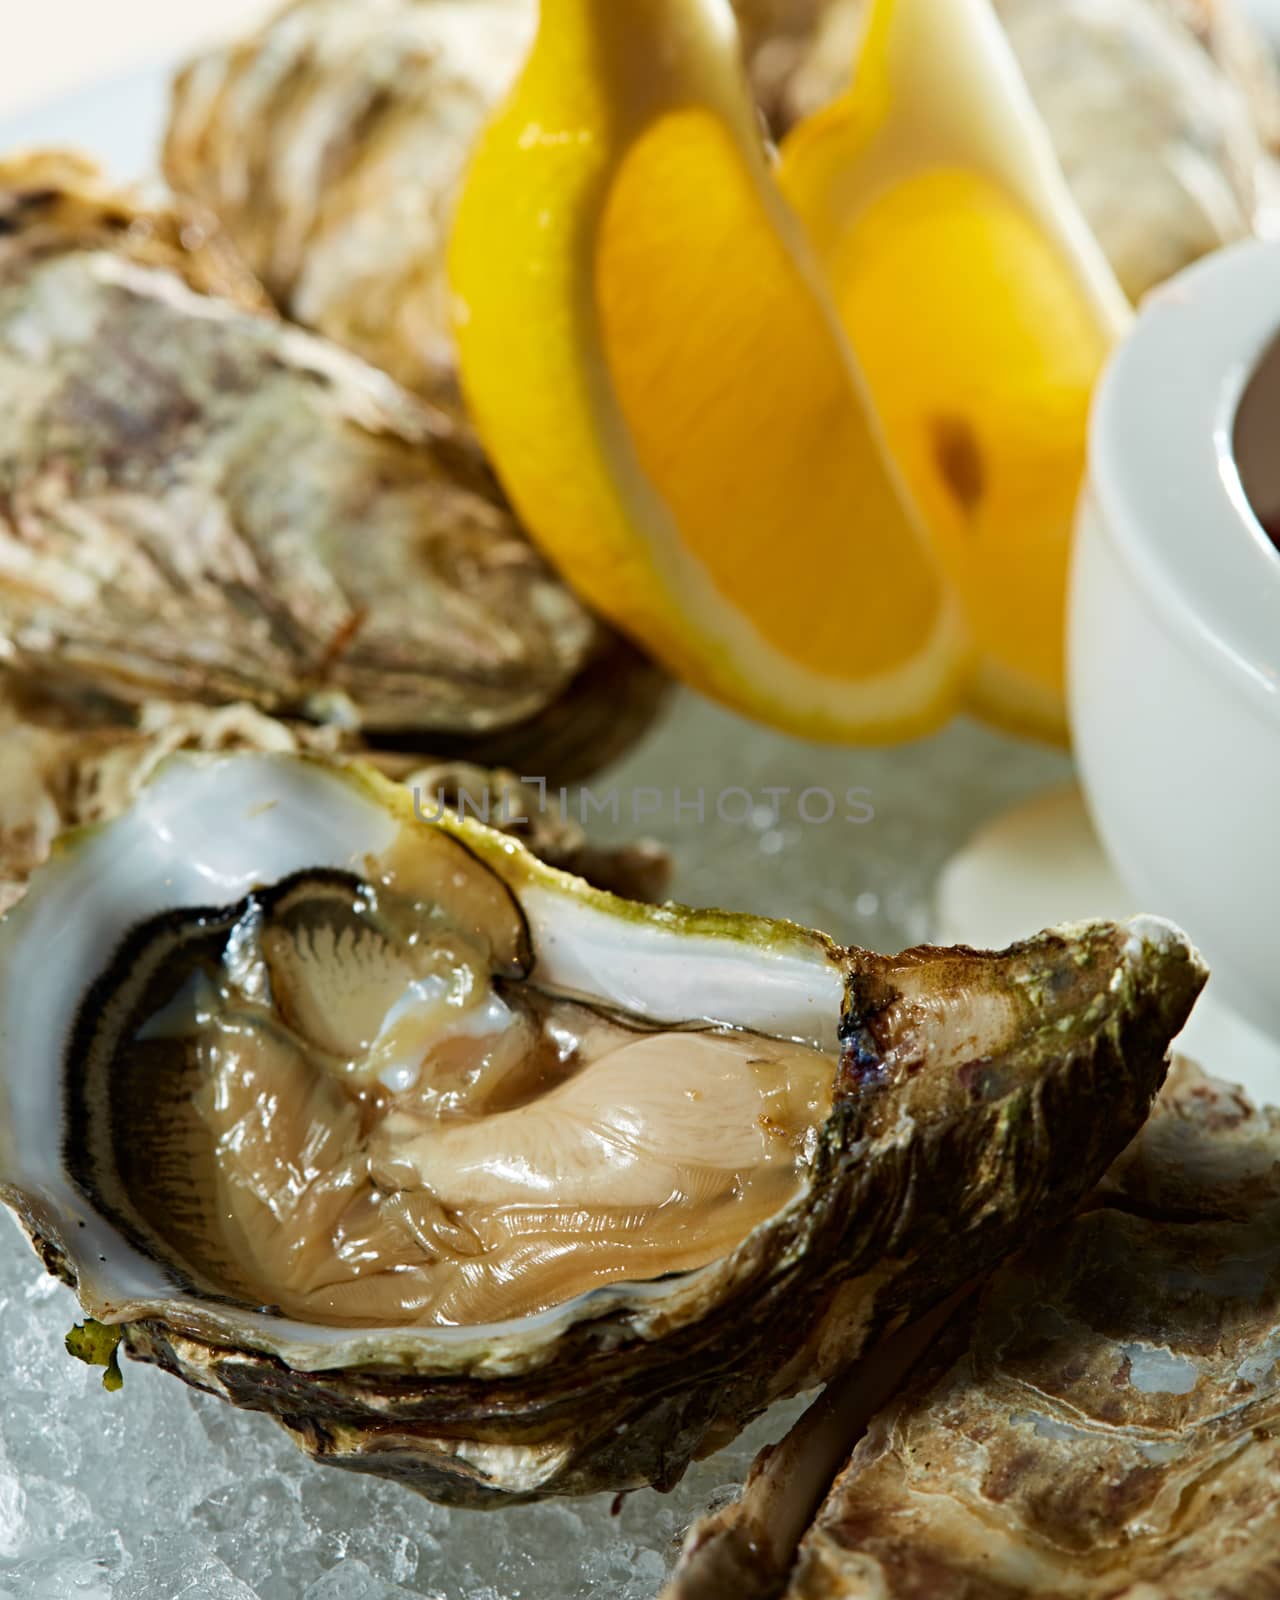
{"x":659,"y":372}
{"x":981,"y":312}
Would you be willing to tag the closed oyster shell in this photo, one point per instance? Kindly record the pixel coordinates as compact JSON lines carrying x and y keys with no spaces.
{"x":200,"y":503}
{"x":966,"y":1099}
{"x":334,"y":139}
{"x":1166,"y":147}
{"x":1106,"y":1422}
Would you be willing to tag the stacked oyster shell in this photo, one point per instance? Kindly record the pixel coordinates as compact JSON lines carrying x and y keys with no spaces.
{"x":205,"y":505}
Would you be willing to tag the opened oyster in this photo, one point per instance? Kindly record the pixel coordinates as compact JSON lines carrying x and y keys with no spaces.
{"x":203,"y":504}
{"x":332,"y":141}
{"x":475,"y":1177}
{"x":1106,"y":1421}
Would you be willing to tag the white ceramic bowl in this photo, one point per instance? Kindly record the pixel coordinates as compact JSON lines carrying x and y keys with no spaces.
{"x":1175,"y":625}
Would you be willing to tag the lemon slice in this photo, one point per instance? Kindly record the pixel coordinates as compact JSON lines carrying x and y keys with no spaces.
{"x":657,"y":368}
{"x":981,"y":310}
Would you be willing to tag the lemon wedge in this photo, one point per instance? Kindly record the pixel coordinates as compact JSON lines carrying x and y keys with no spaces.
{"x":658,"y":370}
{"x":981,"y":310}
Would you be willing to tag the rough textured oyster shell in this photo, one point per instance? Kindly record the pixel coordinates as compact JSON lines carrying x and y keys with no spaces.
{"x":1106,"y":1422}
{"x":637,"y":871}
{"x":335,"y":138}
{"x":58,"y":200}
{"x":200,"y":503}
{"x":61,"y":771}
{"x":973,"y":1097}
{"x":332,"y":142}
{"x":1230,"y":34}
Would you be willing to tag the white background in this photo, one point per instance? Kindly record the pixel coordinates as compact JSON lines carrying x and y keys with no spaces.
{"x":50,"y":47}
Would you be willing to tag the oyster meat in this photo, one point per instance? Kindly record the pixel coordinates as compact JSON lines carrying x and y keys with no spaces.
{"x":332,"y":141}
{"x":200,"y":503}
{"x":1106,"y":1421}
{"x":476,"y":1177}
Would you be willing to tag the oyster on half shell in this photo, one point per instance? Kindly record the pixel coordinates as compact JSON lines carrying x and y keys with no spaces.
{"x":200,"y":503}
{"x":478,"y":1178}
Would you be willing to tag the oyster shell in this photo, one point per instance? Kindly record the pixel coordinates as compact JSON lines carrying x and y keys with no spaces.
{"x":640,"y":870}
{"x":1106,"y":1421}
{"x":335,"y":138}
{"x":63,"y":770}
{"x":332,"y":141}
{"x":199,"y":503}
{"x":475,"y":1177}
{"x":58,"y":200}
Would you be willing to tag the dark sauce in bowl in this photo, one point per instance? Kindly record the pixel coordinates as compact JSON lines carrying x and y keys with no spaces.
{"x":1256,"y":442}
